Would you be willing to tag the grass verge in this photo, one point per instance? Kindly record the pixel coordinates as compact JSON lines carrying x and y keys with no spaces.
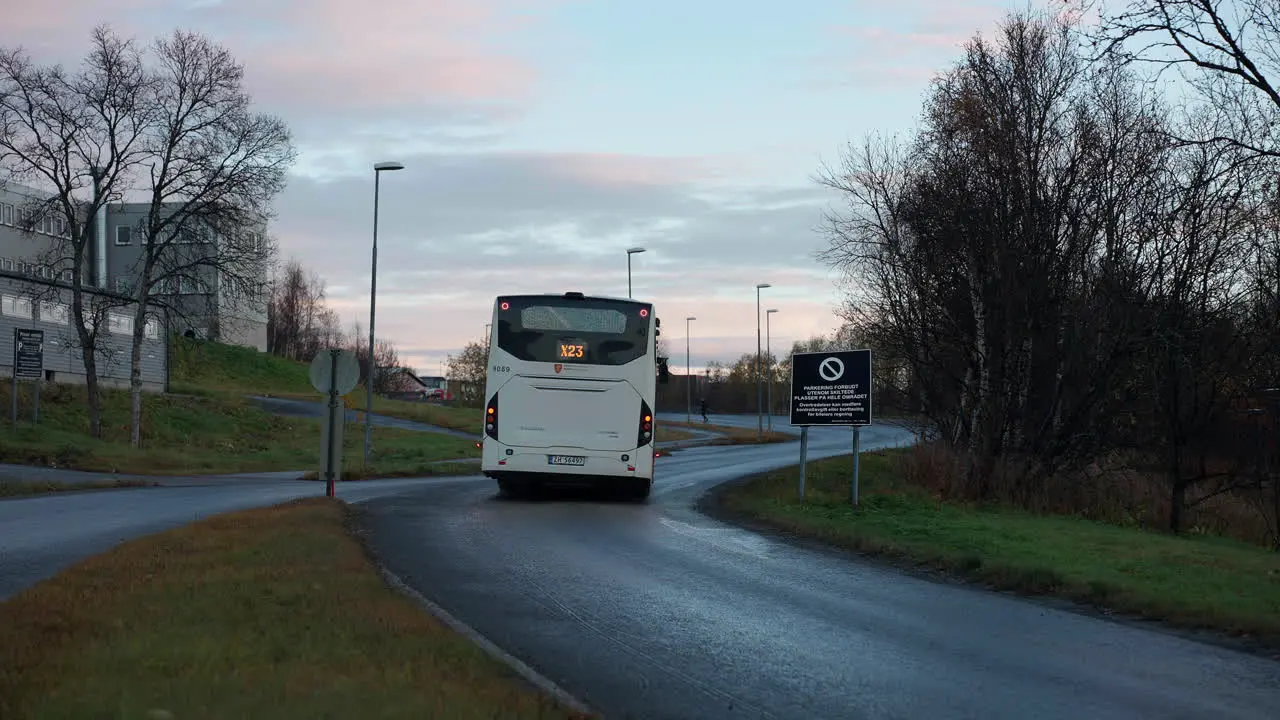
{"x":274,"y":613}
{"x":25,"y":488}
{"x":1191,"y":582}
{"x":666,"y":433}
{"x":216,"y":370}
{"x":381,"y":472}
{"x":736,"y":435}
{"x":192,"y":435}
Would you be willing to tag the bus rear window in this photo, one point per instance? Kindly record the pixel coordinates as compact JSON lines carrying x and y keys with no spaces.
{"x":575,"y":319}
{"x":591,"y":331}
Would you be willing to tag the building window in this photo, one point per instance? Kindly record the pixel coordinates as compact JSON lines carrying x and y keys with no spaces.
{"x":189,"y":286}
{"x":6,"y":213}
{"x":68,"y":275}
{"x":16,"y":306}
{"x":123,"y":235}
{"x":119,"y":324}
{"x":54,"y":313}
{"x":123,"y":286}
{"x":152,"y":329}
{"x":6,"y":264}
{"x":60,"y":224}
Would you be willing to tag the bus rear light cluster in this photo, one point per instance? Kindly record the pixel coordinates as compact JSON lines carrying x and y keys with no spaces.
{"x":645,"y":436}
{"x":491,"y":418}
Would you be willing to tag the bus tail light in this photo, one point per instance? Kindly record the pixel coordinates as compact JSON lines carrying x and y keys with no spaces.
{"x":645,"y":436}
{"x":491,"y":418}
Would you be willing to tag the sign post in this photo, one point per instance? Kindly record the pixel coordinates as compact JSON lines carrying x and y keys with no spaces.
{"x":28,"y":364}
{"x":335,"y":373}
{"x":831,"y":389}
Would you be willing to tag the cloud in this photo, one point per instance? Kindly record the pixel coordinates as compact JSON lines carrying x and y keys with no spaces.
{"x":391,"y":54}
{"x":923,"y":38}
{"x":456,"y":229}
{"x":328,"y":65}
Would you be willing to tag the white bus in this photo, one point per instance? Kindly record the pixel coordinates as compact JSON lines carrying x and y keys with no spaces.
{"x":570,"y":393}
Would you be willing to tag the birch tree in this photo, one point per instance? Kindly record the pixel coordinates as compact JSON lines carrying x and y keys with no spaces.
{"x":214,"y":168}
{"x":81,"y":135}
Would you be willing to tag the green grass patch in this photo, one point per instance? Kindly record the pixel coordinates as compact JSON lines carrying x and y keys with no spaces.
{"x":454,"y":418}
{"x":41,"y":487}
{"x":267,"y":613}
{"x":198,"y":435}
{"x":1195,"y":582}
{"x":208,"y":368}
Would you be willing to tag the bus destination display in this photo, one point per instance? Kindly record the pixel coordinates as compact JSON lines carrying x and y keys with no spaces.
{"x":571,"y":350}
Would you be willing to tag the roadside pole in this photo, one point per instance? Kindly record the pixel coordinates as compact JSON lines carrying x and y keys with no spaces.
{"x":804,"y":456}
{"x":857,"y":461}
{"x":334,"y":372}
{"x":330,"y":480}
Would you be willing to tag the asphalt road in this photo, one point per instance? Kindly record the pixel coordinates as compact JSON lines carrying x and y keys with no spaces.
{"x":655,"y":611}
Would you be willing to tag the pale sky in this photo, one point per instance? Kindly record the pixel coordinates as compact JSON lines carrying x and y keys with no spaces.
{"x":541,"y":138}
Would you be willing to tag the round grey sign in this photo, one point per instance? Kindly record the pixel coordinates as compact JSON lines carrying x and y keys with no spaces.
{"x":831,"y":369}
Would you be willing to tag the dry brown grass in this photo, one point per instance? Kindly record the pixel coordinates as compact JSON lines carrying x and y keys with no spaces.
{"x":1121,"y":488}
{"x":737,"y":435}
{"x":267,"y":613}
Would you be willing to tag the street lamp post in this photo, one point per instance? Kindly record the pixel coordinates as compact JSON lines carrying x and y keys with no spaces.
{"x":759,"y":385}
{"x":630,"y":252}
{"x":688,"y":371}
{"x":373,"y":297}
{"x":768,"y":351}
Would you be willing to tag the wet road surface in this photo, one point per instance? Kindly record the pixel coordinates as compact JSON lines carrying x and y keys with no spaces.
{"x":41,"y":535}
{"x":655,"y":611}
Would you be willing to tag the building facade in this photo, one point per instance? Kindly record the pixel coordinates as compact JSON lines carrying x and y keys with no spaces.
{"x":195,"y":302}
{"x":40,"y":304}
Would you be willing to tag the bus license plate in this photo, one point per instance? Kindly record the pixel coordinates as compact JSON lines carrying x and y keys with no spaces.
{"x":566,"y":460}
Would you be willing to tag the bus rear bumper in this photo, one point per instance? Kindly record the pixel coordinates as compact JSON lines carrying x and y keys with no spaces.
{"x":598,"y":467}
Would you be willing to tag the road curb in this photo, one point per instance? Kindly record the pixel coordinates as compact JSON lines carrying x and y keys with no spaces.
{"x":538,"y":680}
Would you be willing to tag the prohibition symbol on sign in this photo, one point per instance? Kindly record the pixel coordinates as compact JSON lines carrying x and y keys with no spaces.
{"x":831,"y":369}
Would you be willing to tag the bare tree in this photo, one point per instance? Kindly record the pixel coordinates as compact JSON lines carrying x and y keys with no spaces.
{"x":81,"y":135}
{"x":386,"y":358}
{"x":989,"y":248}
{"x":297,"y":319}
{"x":215,"y":169}
{"x":1198,"y":345}
{"x":1229,"y":52}
{"x":470,"y":369}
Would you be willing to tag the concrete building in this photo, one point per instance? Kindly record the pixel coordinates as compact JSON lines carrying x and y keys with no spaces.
{"x":199,"y":304}
{"x":40,"y":304}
